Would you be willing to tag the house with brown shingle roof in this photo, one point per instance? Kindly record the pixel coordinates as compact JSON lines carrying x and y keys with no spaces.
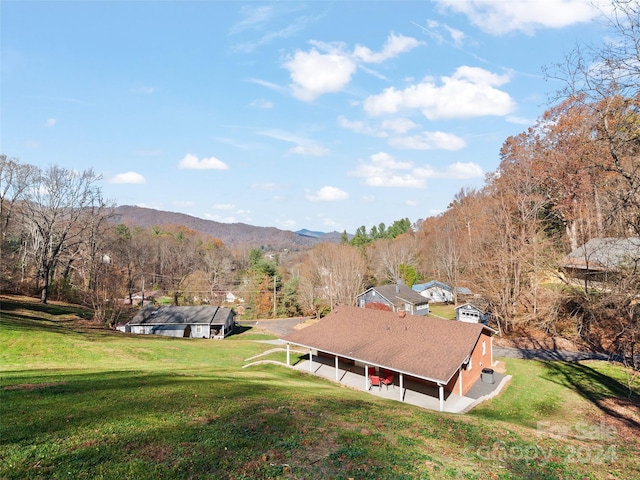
{"x":395,"y":297}
{"x":447,"y":355}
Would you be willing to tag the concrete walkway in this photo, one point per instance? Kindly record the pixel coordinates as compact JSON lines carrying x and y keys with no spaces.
{"x":413,"y":393}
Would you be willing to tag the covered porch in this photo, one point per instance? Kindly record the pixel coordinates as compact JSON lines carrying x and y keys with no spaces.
{"x":405,"y":388}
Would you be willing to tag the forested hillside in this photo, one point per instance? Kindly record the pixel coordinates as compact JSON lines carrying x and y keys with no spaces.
{"x":231,"y":234}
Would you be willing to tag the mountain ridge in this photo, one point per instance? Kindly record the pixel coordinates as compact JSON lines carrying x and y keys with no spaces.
{"x":231,"y":234}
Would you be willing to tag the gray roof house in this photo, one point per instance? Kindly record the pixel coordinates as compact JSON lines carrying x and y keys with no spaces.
{"x":395,"y":297}
{"x":439,"y":292}
{"x":194,"y":322}
{"x":602,"y":256}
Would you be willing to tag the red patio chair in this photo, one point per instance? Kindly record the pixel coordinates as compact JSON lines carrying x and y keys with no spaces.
{"x":388,"y":380}
{"x":375,"y":381}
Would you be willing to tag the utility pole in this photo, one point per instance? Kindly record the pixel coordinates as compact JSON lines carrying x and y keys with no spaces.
{"x":274,"y":296}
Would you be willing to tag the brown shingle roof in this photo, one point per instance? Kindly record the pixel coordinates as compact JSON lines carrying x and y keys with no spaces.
{"x":426,"y":347}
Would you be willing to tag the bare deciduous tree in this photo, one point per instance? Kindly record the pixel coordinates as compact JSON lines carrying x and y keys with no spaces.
{"x":391,"y":255}
{"x":54,"y":212}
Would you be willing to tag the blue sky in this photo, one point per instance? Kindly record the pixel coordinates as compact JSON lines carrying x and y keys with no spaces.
{"x":318,"y":115}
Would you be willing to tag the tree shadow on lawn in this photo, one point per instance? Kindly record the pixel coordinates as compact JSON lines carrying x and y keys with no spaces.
{"x":594,"y":386}
{"x":10,"y":305}
{"x":22,"y":322}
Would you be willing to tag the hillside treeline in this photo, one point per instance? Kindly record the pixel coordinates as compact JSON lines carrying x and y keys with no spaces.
{"x":571,"y":177}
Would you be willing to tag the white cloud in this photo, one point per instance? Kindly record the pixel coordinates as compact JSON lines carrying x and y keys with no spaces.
{"x":455,"y":171}
{"x":310,"y":149}
{"x":314,"y":73}
{"x":383,"y":170}
{"x":258,"y":21}
{"x":329,"y":222}
{"x":327,"y":194}
{"x":50,"y":122}
{"x":520,"y":120}
{"x":469,"y":92}
{"x":224,"y":206}
{"x":269,"y":85}
{"x":360,"y":127}
{"x":328,"y":67}
{"x":287,"y":224}
{"x":399,"y":125}
{"x":461,"y":171}
{"x":395,"y":45}
{"x":429,"y":141}
{"x":261,"y":104}
{"x":411,"y":203}
{"x":128,"y":177}
{"x":438,"y":31}
{"x":457,"y":36}
{"x":144,"y":90}
{"x":254,"y":17}
{"x":265,"y":186}
{"x":191,"y":162}
{"x":501,"y":17}
{"x":403,"y":181}
{"x":303,"y":146}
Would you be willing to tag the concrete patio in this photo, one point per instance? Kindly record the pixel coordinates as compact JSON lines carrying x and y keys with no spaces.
{"x":413,"y":393}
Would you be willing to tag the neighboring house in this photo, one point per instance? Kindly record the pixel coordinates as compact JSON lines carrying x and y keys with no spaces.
{"x":435,"y":352}
{"x":438,"y":292}
{"x":395,"y":297}
{"x":195,"y":322}
{"x":600,"y":257}
{"x":471,"y":314}
{"x":231,"y":297}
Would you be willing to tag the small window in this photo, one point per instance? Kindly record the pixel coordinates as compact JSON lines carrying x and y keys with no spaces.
{"x":470,"y":364}
{"x":484,"y":348}
{"x":198,"y":328}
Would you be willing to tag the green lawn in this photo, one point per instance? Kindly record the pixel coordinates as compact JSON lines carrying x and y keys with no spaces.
{"x":82,"y":402}
{"x":443,"y":310}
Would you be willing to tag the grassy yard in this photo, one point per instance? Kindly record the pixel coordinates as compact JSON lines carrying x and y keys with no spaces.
{"x":82,"y":402}
{"x":443,"y":310}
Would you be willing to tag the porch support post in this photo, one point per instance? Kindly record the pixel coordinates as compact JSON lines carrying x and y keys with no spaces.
{"x":460,"y":380}
{"x":441,"y":395}
{"x":401,"y":381}
{"x":288,"y":355}
{"x":310,"y":360}
{"x":337,"y":368}
{"x":366,"y":377}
